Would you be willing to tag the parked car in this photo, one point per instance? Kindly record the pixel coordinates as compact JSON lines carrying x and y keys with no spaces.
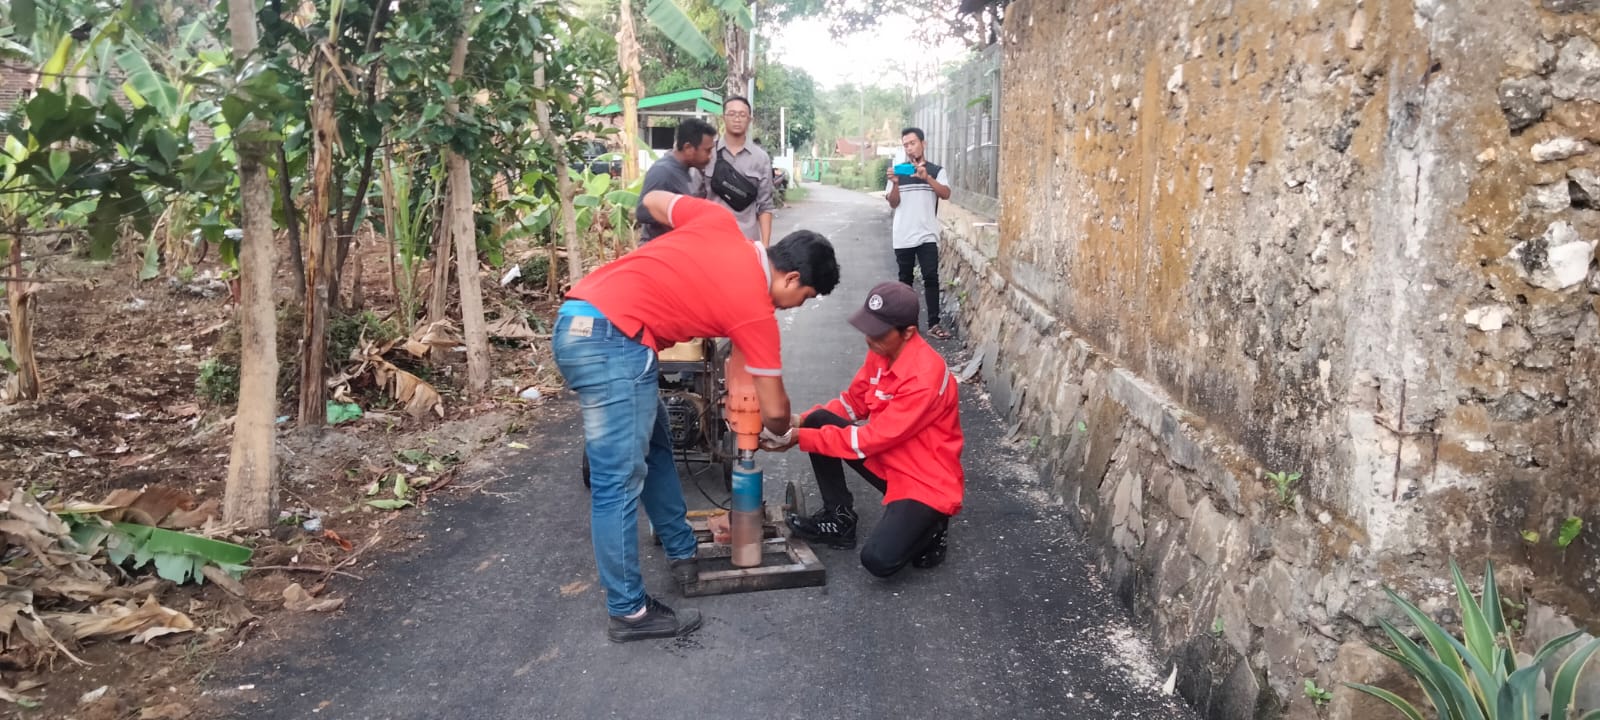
{"x":598,"y":159}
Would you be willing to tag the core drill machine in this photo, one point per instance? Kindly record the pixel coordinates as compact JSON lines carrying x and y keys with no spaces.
{"x":761,"y":555}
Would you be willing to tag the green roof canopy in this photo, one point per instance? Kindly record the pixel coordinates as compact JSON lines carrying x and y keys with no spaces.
{"x":683,"y":102}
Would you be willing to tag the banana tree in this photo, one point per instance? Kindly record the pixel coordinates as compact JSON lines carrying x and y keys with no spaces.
{"x":604,"y":205}
{"x":731,"y":20}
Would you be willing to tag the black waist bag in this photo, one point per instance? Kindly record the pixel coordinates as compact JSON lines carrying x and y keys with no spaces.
{"x":734,"y":187}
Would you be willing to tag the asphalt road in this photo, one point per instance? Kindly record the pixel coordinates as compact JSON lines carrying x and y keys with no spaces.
{"x":497,"y":614}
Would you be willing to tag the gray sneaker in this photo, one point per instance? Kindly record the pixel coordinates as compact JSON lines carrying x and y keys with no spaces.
{"x":659,"y":621}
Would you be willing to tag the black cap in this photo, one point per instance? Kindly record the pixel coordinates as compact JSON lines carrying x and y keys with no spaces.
{"x":891,"y":305}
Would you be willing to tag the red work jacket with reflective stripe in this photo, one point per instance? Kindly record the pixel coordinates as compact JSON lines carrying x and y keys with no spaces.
{"x":908,"y":427}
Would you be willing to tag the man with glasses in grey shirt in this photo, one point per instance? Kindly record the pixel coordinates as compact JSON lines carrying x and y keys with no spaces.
{"x":736,"y":148}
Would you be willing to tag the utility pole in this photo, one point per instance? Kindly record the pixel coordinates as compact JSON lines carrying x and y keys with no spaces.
{"x":783,"y":131}
{"x":755,"y":22}
{"x":862,"y":121}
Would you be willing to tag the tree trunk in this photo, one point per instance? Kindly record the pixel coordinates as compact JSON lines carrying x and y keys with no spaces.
{"x":19,"y":290}
{"x":569,"y":219}
{"x":628,"y":55}
{"x":736,"y":40}
{"x":466,"y":242}
{"x":461,"y":231}
{"x":297,"y":261}
{"x":319,"y":265}
{"x":394,"y":249}
{"x":250,"y":496}
{"x":552,"y":278}
{"x":439,"y":298}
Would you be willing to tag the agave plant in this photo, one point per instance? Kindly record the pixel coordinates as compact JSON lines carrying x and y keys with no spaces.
{"x":1477,"y":677}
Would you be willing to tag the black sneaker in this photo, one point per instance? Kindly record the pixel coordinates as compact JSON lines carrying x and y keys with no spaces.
{"x":834,"y":527}
{"x":686,"y":571}
{"x":934,"y":554}
{"x":659,"y":621}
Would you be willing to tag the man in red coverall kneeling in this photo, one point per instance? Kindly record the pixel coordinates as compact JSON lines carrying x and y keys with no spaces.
{"x":898,"y":425}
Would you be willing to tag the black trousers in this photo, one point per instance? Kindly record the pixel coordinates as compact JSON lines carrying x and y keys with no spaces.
{"x":927,"y":255}
{"x":907,"y":527}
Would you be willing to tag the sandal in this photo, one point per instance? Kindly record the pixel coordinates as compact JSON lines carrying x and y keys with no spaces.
{"x":939,"y":332}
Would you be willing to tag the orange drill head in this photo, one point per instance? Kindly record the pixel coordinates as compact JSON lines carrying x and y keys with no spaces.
{"x":744,"y":409}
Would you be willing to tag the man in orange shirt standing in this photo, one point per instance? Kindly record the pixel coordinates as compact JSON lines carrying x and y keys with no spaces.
{"x":898,"y":425}
{"x":700,"y":279}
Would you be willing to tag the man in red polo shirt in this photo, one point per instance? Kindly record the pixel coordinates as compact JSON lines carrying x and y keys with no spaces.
{"x":898,"y":425}
{"x":700,"y":279}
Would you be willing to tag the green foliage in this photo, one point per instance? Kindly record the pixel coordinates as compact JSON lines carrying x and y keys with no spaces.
{"x":346,"y":331}
{"x":1569,"y":531}
{"x":339,"y":413}
{"x":1477,"y":677}
{"x":178,"y":556}
{"x":1283,"y":483}
{"x":218,"y":383}
{"x":679,"y":28}
{"x":781,"y":86}
{"x":1318,"y":695}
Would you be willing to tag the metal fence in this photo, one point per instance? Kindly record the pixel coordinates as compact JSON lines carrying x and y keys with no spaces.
{"x":962,"y":122}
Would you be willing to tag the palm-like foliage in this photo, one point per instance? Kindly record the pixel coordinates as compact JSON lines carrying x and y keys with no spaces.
{"x":1477,"y":677}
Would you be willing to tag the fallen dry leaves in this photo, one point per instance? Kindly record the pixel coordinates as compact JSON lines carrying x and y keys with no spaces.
{"x":296,"y":598}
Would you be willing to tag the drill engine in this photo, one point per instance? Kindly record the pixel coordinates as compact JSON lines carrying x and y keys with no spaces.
{"x":686,"y":417}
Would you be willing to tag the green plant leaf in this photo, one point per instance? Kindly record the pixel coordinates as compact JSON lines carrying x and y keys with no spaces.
{"x":389,"y":503}
{"x":737,"y":10}
{"x":402,"y":490}
{"x":1569,"y":531}
{"x":1474,"y":626}
{"x":102,"y":227}
{"x":159,"y":540}
{"x":586,"y":201}
{"x":623,"y":198}
{"x":25,"y":18}
{"x":1429,"y":673}
{"x":50,"y":74}
{"x":167,"y":145}
{"x":339,"y":412}
{"x":1565,"y":684}
{"x":134,"y":96}
{"x":1531,"y":536}
{"x":679,"y":29}
{"x":152,"y":259}
{"x":177,"y":567}
{"x":150,"y":85}
{"x":1520,"y":696}
{"x":60,"y":162}
{"x":1404,"y":706}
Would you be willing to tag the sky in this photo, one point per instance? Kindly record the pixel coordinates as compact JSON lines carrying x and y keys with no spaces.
{"x":873,"y":58}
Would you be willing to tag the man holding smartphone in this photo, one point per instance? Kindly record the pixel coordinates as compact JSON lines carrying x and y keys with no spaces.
{"x":915,"y":199}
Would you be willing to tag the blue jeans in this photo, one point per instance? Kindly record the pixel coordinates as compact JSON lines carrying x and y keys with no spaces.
{"x":630,"y":452}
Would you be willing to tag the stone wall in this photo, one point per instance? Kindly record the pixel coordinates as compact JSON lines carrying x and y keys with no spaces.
{"x":1352,"y":240}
